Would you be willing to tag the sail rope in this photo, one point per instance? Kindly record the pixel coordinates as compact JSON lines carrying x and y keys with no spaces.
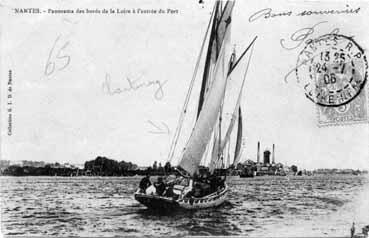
{"x":184,"y":109}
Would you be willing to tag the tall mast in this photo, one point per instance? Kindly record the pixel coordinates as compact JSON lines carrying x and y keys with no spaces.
{"x":258,"y":153}
{"x":273,"y":158}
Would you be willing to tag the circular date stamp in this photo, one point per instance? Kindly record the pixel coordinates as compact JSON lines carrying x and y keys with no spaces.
{"x":333,"y":70}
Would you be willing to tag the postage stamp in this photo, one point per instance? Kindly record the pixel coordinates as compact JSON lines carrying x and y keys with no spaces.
{"x":353,"y":112}
{"x":333,"y":70}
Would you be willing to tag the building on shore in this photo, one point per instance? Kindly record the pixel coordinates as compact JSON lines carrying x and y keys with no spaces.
{"x":267,"y":167}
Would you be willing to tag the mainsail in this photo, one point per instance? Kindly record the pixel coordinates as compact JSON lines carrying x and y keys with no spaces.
{"x":186,"y":103}
{"x":221,"y":21}
{"x":202,"y":131}
{"x":206,"y":140}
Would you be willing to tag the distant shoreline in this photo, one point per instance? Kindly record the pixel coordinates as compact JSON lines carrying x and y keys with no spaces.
{"x":230,"y":176}
{"x":104,"y":167}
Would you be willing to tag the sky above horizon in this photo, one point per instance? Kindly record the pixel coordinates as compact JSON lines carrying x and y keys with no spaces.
{"x":67,"y":67}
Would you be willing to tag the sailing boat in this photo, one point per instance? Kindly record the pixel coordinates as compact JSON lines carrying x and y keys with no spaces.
{"x":212,"y":136}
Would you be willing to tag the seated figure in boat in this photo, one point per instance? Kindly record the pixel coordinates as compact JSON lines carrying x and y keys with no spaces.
{"x":151,"y":190}
{"x":160,"y":186}
{"x":169,"y":192}
{"x":146,"y":186}
{"x":179,"y":185}
{"x":199,"y":190}
{"x":145,"y":183}
{"x":204,"y":184}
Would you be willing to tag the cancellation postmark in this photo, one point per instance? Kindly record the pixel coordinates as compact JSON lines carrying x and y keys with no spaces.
{"x":333,"y":71}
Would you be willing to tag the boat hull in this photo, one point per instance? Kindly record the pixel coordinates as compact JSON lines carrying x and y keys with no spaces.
{"x":156,"y":202}
{"x":160,"y":203}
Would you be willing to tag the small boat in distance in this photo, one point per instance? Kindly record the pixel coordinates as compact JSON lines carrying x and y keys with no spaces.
{"x":209,"y":140}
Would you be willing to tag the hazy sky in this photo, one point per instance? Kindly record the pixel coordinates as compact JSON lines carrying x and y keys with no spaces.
{"x":67,"y":66}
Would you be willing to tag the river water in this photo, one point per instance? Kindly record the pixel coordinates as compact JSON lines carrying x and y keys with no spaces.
{"x":262,"y":206}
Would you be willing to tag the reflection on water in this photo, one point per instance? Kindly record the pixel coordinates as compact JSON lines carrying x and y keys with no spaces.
{"x":103,"y":206}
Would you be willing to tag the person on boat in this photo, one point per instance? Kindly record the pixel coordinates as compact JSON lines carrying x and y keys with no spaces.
{"x":188,"y":189}
{"x":205,"y":188}
{"x":169,"y":192}
{"x":213,"y":183}
{"x":192,"y":192}
{"x":160,"y":186}
{"x":366,"y":231}
{"x":145,"y":183}
{"x":222,"y":181}
{"x":184,"y":182}
{"x":197,"y":190}
{"x":151,"y":190}
{"x":171,"y":179}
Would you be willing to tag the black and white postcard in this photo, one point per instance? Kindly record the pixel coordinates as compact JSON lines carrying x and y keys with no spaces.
{"x":184,"y":118}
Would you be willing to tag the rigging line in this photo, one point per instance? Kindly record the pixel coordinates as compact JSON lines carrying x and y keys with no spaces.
{"x":181,"y":118}
{"x":244,"y":52}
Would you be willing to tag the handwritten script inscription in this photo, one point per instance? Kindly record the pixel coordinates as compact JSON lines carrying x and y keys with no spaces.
{"x":299,"y":36}
{"x":134,"y":85}
{"x":268,"y":13}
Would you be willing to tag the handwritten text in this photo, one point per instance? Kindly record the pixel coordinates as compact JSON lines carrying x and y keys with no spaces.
{"x":134,"y":85}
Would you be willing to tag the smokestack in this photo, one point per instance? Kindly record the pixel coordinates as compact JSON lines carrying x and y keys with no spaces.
{"x":258,"y":153}
{"x":273,"y":156}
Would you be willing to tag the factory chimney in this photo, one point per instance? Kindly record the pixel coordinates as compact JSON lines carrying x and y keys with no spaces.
{"x":273,"y":156}
{"x":258,"y":153}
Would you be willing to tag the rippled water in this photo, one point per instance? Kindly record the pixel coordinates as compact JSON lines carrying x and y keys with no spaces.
{"x":262,"y":206}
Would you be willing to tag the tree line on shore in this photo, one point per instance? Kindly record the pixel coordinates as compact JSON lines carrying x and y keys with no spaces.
{"x":103,"y":166}
{"x":100,"y":166}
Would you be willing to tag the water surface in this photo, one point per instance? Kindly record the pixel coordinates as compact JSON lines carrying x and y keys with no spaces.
{"x":262,"y":206}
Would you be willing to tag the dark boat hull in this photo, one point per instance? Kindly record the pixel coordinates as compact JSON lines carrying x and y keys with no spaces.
{"x":156,"y":202}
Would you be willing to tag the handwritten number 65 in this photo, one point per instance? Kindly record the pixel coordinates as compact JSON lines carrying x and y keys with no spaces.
{"x":57,"y":61}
